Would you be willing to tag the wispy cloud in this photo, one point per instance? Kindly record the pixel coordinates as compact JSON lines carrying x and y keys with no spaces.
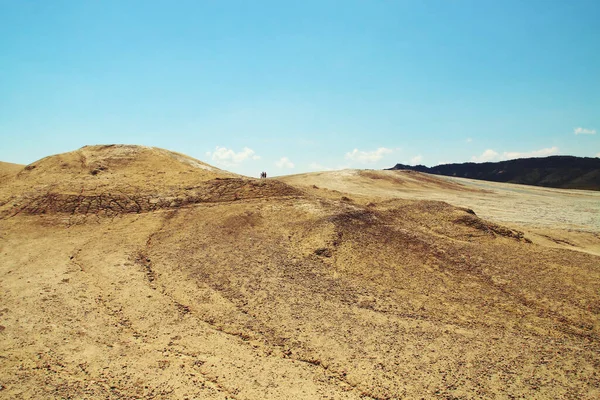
{"x":318,"y":167}
{"x":284,"y":162}
{"x":486,"y":156}
{"x":228,"y":157}
{"x":469,"y":140}
{"x":584,"y":131}
{"x":536,"y":153}
{"x":416,"y":159}
{"x":491,"y":155}
{"x":368,"y":157}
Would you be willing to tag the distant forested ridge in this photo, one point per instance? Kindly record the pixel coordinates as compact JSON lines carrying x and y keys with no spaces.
{"x":564,"y":172}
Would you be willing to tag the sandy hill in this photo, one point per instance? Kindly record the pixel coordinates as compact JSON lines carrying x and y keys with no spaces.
{"x":332,"y":285}
{"x":366,"y":184}
{"x":115,"y":179}
{"x":8,"y":171}
{"x":100,"y":168}
{"x":565,"y":172}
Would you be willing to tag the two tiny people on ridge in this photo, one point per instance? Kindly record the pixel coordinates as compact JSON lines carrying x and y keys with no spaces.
{"x":263,"y":175}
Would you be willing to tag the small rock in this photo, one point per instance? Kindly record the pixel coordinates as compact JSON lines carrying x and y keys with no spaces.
{"x":323,"y":252}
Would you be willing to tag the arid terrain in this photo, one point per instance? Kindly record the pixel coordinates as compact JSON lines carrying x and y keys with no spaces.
{"x":129,"y":272}
{"x":552,"y":217}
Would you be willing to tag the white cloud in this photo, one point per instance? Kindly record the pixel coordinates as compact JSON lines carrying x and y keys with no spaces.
{"x":584,"y":131}
{"x":225,"y":156}
{"x":491,"y":155}
{"x":366,"y":157}
{"x":536,"y":153}
{"x":318,"y":167}
{"x":416,"y":159}
{"x":469,"y":140}
{"x":284,"y":162}
{"x":486,"y":156}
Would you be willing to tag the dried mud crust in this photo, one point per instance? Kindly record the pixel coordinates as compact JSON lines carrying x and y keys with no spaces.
{"x":130,"y":201}
{"x":408,"y":178}
{"x":376,"y":298}
{"x":491,"y":228}
{"x":445,"y":219}
{"x":263,"y":298}
{"x":252,"y":289}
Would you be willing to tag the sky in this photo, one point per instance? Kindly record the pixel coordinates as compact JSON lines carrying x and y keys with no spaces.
{"x":296,"y":86}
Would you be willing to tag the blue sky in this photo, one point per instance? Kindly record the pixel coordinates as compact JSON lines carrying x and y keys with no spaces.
{"x":295,"y":86}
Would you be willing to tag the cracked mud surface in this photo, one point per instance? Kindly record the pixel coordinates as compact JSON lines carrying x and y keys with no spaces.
{"x":260,"y":289}
{"x":135,"y":201}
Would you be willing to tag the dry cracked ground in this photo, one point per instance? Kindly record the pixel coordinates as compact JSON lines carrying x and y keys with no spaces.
{"x":129,"y":272}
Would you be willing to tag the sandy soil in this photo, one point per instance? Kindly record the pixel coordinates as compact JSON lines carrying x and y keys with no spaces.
{"x":331,"y":285}
{"x":553,"y":217}
{"x":8,"y":170}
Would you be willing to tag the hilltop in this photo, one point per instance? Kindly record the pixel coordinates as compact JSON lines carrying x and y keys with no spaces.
{"x":103,"y":167}
{"x":133,"y":272}
{"x":565,"y":172}
{"x":116,"y":179}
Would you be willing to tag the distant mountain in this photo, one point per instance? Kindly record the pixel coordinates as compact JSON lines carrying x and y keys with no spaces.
{"x":564,"y":172}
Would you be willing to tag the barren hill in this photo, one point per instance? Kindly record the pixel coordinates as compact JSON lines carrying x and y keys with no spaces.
{"x":115,"y":179}
{"x":565,"y":172}
{"x":8,"y":171}
{"x":105,"y":167}
{"x":339,"y":285}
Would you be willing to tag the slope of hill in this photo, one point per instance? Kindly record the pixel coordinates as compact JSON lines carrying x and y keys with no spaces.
{"x":115,"y":179}
{"x":101,"y":167}
{"x":556,"y":171}
{"x":8,"y":171}
{"x":278,"y":289}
